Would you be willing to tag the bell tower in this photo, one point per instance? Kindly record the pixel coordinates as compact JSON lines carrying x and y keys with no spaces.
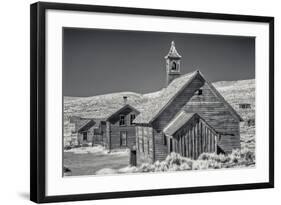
{"x":172,"y":64}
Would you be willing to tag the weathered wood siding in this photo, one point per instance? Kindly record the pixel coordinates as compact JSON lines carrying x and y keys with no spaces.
{"x":193,"y":139}
{"x":161,"y":149}
{"x":218,"y":116}
{"x":207,"y":105}
{"x":90,"y":134}
{"x":178,"y":103}
{"x":107,"y":140}
{"x":114,"y":130}
{"x":144,"y":144}
{"x":99,"y":134}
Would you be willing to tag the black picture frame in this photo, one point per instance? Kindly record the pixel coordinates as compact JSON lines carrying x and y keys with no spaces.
{"x":38,"y":101}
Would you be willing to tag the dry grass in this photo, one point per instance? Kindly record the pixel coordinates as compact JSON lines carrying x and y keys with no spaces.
{"x":175,"y":162}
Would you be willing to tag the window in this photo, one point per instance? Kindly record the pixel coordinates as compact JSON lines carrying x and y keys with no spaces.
{"x":123,"y":138}
{"x":174,"y":66}
{"x":171,"y":145}
{"x":244,"y":106}
{"x":122,"y":120}
{"x":84,"y":136}
{"x":132,"y":117}
{"x":199,"y":92}
{"x":164,"y":139}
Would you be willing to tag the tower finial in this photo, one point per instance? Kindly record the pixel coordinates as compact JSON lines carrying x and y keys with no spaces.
{"x":173,"y":52}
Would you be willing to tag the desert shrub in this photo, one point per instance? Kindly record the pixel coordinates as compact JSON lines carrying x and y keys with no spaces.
{"x":68,"y":147}
{"x":128,"y":169}
{"x":206,"y":164}
{"x":146,"y":167}
{"x":248,"y":155}
{"x":161,"y":166}
{"x":173,"y":159}
{"x":66,"y":170}
{"x":175,"y":162}
{"x":234,"y":156}
{"x":185,"y":166}
{"x":220,"y":158}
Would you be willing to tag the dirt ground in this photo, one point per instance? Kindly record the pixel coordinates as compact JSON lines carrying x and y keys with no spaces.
{"x":86,"y":161}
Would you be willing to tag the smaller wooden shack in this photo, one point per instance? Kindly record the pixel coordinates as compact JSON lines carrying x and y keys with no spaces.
{"x":116,"y":130}
{"x":92,"y":132}
{"x":120,"y":129}
{"x":190,"y":135}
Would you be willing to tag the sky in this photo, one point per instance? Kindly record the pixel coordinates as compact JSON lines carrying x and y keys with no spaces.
{"x":98,"y":61}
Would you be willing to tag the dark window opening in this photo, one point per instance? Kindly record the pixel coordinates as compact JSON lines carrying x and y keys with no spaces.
{"x":199,"y":92}
{"x":123,"y":138}
{"x":164,"y":139}
{"x":171,"y":145}
{"x":244,"y":106}
{"x":132,"y":117}
{"x":84,"y":136}
{"x":122,"y":120}
{"x":174,"y":66}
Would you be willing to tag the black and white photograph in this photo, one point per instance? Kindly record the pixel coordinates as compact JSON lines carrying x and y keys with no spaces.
{"x":139,"y":102}
{"x":134,"y":102}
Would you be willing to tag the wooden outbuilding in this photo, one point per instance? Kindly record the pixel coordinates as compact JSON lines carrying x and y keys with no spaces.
{"x":117,"y":130}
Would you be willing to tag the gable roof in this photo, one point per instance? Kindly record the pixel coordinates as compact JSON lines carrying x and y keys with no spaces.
{"x":127,"y":106}
{"x":217,"y":93}
{"x":177,"y":122}
{"x":80,"y":122}
{"x":155,"y":106}
{"x":86,"y":126}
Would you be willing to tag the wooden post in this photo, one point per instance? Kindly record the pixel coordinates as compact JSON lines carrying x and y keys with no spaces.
{"x":180,"y":151}
{"x":203,"y":137}
{"x":216,"y":144}
{"x":195,"y":141}
{"x":189,"y":143}
{"x":199,"y":138}
{"x":192,"y":142}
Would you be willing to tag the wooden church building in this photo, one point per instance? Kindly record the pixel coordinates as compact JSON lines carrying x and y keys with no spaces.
{"x":189,"y":117}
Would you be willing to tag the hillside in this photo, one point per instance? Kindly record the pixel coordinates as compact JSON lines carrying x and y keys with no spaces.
{"x":235,"y":92}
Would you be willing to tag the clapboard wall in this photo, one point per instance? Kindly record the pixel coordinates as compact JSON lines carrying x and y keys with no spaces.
{"x":193,"y":139}
{"x":217,"y":115}
{"x":114,"y":129}
{"x":144,"y":144}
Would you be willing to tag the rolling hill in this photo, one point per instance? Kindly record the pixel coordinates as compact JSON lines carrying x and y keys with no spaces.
{"x":235,"y":92}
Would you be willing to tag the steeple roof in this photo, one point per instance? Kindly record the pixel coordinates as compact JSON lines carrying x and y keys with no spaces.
{"x":173,"y":52}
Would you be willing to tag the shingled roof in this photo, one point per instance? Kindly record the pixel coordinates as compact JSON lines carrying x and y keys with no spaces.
{"x":179,"y":120}
{"x":158,"y":102}
{"x":155,"y":105}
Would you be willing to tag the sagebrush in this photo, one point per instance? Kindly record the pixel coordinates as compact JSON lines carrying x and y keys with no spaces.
{"x":175,"y":162}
